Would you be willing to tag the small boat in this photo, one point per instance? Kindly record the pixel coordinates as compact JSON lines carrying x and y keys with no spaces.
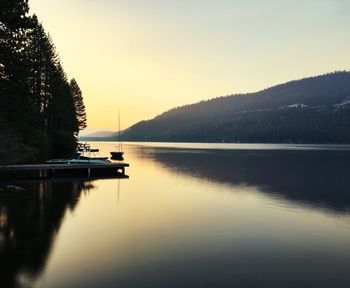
{"x":78,"y":161}
{"x":84,"y":155}
{"x":118,"y":155}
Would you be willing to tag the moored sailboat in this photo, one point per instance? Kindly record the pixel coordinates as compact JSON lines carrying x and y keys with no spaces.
{"x":118,"y":155}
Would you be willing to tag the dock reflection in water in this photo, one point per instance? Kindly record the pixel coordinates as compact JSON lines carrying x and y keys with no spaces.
{"x":186,"y":218}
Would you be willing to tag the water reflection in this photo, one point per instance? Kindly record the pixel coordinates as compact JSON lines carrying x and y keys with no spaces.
{"x":29,"y":223}
{"x":186,"y":218}
{"x":318,"y":178}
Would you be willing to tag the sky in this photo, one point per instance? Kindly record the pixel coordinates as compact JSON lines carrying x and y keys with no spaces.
{"x":143,"y":57}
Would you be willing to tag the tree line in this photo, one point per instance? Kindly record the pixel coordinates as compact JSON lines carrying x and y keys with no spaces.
{"x":311,"y":110}
{"x":290,"y":125}
{"x":41,"y":111}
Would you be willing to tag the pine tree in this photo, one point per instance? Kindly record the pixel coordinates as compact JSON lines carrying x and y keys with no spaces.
{"x":78,"y":104}
{"x":37,"y":103}
{"x":13,"y":97}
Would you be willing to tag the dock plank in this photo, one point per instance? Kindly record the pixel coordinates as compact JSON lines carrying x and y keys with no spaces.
{"x":60,"y":166}
{"x":52,"y":170}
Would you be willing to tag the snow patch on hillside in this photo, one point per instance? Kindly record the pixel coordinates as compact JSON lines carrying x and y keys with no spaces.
{"x":347,"y":102}
{"x":297,"y":105}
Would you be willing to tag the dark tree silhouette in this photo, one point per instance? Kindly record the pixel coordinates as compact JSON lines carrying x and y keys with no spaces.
{"x":78,"y":104}
{"x":36,"y":100}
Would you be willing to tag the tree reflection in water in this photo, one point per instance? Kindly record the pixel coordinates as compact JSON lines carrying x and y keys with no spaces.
{"x":29,"y":223}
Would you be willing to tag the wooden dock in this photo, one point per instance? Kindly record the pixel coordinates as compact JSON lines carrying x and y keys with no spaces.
{"x":46,"y":171}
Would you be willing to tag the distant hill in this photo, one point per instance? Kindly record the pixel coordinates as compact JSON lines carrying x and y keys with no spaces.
{"x":101,"y":134}
{"x":311,"y":110}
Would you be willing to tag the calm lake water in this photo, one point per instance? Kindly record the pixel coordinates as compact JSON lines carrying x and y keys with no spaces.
{"x":190,"y":215}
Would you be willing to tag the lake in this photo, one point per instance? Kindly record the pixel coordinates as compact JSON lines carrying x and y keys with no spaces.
{"x":189,"y":215}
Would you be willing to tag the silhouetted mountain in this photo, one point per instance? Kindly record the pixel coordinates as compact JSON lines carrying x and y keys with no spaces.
{"x":311,"y":110}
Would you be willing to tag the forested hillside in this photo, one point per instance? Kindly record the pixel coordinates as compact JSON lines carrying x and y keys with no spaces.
{"x":40,"y":109}
{"x":311,"y":110}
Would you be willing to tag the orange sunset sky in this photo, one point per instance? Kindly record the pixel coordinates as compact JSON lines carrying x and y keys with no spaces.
{"x":143,"y":57}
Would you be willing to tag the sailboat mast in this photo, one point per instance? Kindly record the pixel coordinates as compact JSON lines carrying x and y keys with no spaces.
{"x":120,"y":141}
